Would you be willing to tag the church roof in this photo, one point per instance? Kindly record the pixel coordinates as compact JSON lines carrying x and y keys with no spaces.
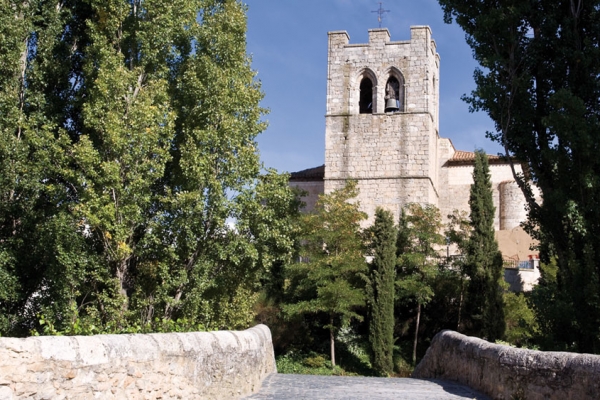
{"x":468,"y":157}
{"x":310,"y":174}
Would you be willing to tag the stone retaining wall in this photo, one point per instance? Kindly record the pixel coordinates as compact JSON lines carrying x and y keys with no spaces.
{"x":504,"y":372}
{"x":207,"y":365}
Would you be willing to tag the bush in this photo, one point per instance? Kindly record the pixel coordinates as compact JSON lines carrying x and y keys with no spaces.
{"x":402,"y":368}
{"x":317,"y":361}
{"x":521,"y":326}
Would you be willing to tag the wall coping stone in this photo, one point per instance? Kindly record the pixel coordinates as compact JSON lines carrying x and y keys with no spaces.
{"x":504,"y":372}
{"x":208,"y":365}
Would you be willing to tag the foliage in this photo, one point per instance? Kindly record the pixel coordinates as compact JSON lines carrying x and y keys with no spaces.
{"x":352,"y":358}
{"x":327,"y":281}
{"x":458,"y":230}
{"x":418,"y":261}
{"x":311,"y":364}
{"x":444,"y":309}
{"x":484,"y":310}
{"x":131,"y":193}
{"x":540,"y":61}
{"x":552,"y":311}
{"x":403,"y":368}
{"x":521,"y":326}
{"x":380,"y":291}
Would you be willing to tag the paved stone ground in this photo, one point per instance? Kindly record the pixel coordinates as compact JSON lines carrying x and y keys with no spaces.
{"x":290,"y":386}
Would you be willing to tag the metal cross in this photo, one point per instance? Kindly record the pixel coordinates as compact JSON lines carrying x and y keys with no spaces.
{"x":380,"y":13}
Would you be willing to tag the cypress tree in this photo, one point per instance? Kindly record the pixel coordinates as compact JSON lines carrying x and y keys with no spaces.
{"x":382,"y":275}
{"x":484,"y":304}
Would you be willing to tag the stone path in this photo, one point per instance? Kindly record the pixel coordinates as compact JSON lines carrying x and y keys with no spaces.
{"x":289,"y":386}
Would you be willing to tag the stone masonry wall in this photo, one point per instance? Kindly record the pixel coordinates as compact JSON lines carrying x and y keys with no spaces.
{"x":208,"y":365}
{"x":521,"y":280}
{"x":392,"y":155}
{"x":512,"y":205}
{"x":506,"y":373}
{"x":456,"y":187}
{"x":398,"y":157}
{"x":313,"y":189}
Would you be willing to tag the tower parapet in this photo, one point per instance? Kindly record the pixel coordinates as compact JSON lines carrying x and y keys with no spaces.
{"x":381,"y":120}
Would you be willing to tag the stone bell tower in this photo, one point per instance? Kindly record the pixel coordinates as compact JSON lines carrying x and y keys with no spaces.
{"x":381,"y":124}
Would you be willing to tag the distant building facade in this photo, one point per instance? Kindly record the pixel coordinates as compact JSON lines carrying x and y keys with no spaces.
{"x":382,"y":129}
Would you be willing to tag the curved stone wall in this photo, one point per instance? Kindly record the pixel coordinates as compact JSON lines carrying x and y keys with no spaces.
{"x":512,"y":205}
{"x":207,"y":365}
{"x":504,"y":372}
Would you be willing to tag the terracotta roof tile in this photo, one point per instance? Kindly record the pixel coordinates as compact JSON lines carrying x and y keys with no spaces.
{"x":468,"y":157}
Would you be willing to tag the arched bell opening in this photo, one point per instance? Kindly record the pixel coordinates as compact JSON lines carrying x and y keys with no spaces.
{"x":392,"y":95}
{"x":365,"y":104}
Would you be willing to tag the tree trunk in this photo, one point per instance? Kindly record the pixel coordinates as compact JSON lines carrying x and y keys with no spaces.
{"x":332,"y":339}
{"x":122,"y":270}
{"x":460,"y":304}
{"x":414,"y":357}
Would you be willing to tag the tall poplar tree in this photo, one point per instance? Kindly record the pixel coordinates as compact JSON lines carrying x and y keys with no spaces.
{"x":539,"y":83}
{"x":380,"y":291}
{"x":484,"y":306}
{"x":33,"y":197}
{"x":132,"y":192}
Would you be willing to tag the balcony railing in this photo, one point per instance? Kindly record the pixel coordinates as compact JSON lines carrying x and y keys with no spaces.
{"x":516,"y":264}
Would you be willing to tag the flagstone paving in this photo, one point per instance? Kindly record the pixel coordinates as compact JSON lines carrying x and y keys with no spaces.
{"x":290,"y":386}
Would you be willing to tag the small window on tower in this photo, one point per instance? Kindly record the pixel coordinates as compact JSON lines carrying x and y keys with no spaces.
{"x":366,"y":96}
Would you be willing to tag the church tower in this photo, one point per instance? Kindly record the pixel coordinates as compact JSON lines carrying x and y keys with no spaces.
{"x":381,"y":123}
{"x":381,"y":129}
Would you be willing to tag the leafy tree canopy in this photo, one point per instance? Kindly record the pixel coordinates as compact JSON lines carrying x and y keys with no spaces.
{"x":332,"y":259}
{"x":130,"y":183}
{"x":418,"y":239}
{"x":539,"y":83}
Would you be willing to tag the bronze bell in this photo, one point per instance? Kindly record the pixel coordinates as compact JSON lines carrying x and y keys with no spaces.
{"x":391,"y":105}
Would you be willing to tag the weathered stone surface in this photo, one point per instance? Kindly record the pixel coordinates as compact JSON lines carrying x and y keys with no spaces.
{"x":504,"y":372}
{"x":293,"y":387}
{"x":391,"y":154}
{"x":208,"y":365}
{"x":6,"y":393}
{"x":398,"y":157}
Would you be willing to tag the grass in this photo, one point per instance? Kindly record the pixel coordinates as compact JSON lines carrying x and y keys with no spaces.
{"x":352,"y":360}
{"x":308,"y":364}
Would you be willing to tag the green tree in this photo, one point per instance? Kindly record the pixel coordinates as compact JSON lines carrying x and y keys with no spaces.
{"x":418,"y":262}
{"x":540,"y":61}
{"x":483,"y":264}
{"x":380,"y":291}
{"x":457,"y":233}
{"x":334,"y":257}
{"x":521,"y":326}
{"x":132,"y":191}
{"x":33,"y":198}
{"x":552,"y":309}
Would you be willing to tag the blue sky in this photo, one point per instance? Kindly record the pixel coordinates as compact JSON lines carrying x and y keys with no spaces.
{"x":287,"y":40}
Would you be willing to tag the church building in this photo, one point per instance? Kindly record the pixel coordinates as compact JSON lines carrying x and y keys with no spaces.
{"x":382,"y":129}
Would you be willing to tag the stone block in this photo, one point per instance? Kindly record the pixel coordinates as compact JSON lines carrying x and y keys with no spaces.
{"x":196,"y":364}
{"x":6,"y":393}
{"x":504,"y":372}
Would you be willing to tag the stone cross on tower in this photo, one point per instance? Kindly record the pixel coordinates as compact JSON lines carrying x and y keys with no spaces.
{"x":380,"y":13}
